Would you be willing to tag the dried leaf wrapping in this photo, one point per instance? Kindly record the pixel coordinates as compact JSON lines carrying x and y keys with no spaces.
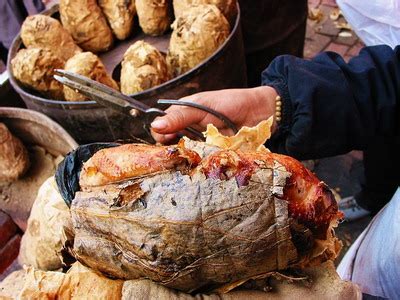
{"x":326,"y":284}
{"x":200,"y":221}
{"x":196,"y":35}
{"x":44,"y":32}
{"x":186,"y":232}
{"x":86,"y":23}
{"x":227,"y":7}
{"x":78,"y":283}
{"x":89,"y":65}
{"x":143,"y":67}
{"x":246,"y":139}
{"x":85,"y":284}
{"x":34,"y":68}
{"x":14,"y":159}
{"x":154,"y":16}
{"x":197,"y":232}
{"x":42,"y":242}
{"x":41,"y":284}
{"x":120,"y":15}
{"x":11,"y":286}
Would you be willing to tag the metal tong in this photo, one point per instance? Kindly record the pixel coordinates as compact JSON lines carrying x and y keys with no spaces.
{"x":113,"y":99}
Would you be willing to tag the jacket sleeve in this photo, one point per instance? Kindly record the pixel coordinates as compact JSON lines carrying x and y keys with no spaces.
{"x":330,"y":107}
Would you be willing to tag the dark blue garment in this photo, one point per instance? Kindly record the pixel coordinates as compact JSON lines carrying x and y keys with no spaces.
{"x":331,"y":107}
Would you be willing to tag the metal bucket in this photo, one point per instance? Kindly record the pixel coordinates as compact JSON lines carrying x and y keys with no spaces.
{"x":33,"y":129}
{"x":37,"y":129}
{"x":89,"y":122}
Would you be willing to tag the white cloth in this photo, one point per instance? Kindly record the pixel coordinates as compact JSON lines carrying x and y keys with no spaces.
{"x":373,"y":261}
{"x":376,"y":22}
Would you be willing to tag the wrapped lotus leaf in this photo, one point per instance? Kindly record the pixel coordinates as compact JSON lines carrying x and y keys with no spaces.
{"x":143,"y":67}
{"x":78,"y":283}
{"x":246,"y":139}
{"x":40,"y":31}
{"x":89,"y":65}
{"x":41,"y":244}
{"x":196,"y":35}
{"x":227,"y":7}
{"x":82,"y":283}
{"x":120,"y":15}
{"x":86,"y":23}
{"x":154,"y":16}
{"x":197,"y":217}
{"x":325,"y":284}
{"x":34,"y":68}
{"x":14,"y":159}
{"x":11,"y":286}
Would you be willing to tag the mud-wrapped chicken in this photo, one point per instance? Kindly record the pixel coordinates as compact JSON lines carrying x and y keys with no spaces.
{"x":197,"y":217}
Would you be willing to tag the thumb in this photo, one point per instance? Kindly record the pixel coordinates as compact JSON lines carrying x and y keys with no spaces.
{"x":176,"y":119}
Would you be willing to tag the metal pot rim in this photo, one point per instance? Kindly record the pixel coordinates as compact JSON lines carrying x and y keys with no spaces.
{"x":40,"y":118}
{"x":148,"y":93}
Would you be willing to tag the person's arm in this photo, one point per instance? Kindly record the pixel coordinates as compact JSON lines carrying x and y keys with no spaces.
{"x":331,"y":107}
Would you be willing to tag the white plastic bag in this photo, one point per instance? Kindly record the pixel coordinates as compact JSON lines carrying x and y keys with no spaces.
{"x":373,"y":261}
{"x":375,"y":21}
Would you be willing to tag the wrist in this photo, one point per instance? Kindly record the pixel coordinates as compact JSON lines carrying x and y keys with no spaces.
{"x":267,"y":99}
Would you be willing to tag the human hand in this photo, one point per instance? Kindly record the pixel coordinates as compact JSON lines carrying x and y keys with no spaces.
{"x":245,"y":107}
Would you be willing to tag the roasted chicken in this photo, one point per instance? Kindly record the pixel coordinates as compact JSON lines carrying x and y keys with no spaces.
{"x":310,"y":200}
{"x":198,"y":217}
{"x":134,"y":160}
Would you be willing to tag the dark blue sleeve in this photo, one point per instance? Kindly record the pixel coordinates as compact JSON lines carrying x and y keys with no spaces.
{"x":331,"y":107}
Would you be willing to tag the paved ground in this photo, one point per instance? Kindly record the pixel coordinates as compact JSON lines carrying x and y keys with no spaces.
{"x":327,"y":34}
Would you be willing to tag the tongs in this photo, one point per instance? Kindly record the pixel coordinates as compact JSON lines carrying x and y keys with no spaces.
{"x":113,"y":99}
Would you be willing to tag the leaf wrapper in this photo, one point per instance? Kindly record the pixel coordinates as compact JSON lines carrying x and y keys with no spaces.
{"x":185,"y":232}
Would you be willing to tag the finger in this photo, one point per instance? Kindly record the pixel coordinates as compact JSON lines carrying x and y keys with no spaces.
{"x":176,"y":119}
{"x":226,"y":131}
{"x":163,"y":138}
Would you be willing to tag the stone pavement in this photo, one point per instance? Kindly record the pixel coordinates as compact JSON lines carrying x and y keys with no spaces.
{"x":325,"y":33}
